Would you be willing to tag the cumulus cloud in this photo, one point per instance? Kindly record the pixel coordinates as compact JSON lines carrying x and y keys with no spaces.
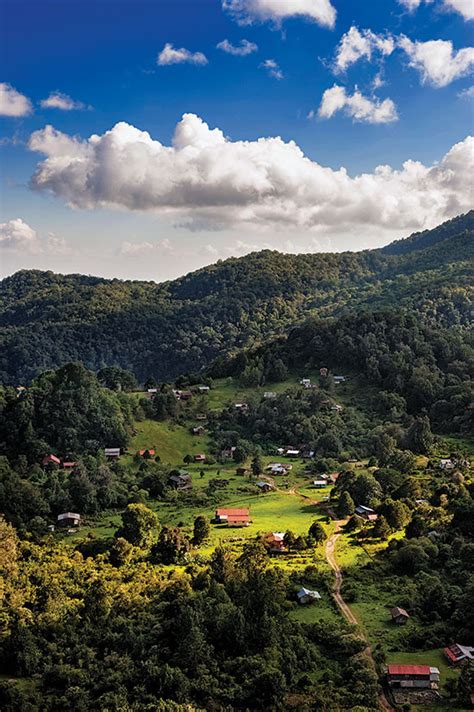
{"x":358,"y":106}
{"x":273,"y":70}
{"x":246,"y":12}
{"x":138,"y":249}
{"x":241,"y":50}
{"x":58,"y":100}
{"x":207,"y":179}
{"x":357,"y":44}
{"x":12,"y":103}
{"x":463,"y":7}
{"x":437,"y":61}
{"x":172,"y":55}
{"x":18,"y":236}
{"x":467,"y":93}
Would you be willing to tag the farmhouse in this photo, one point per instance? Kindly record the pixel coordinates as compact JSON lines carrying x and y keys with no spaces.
{"x":413,"y":676}
{"x":201,"y":416}
{"x":185,"y":395}
{"x":319,"y":484}
{"x":68,"y":519}
{"x":446,"y":464}
{"x":366,"y":513}
{"x":51,"y":460}
{"x":204,"y":389}
{"x":399,"y":615}
{"x":278,"y":468}
{"x":233,"y":517}
{"x":269,"y":395}
{"x":305,"y":596}
{"x":291,"y":452}
{"x":180,"y":480}
{"x":264,"y":486}
{"x":199,"y":430}
{"x":275,"y":542}
{"x":200,"y":457}
{"x":241,"y":406}
{"x":458,"y":653}
{"x":69,"y":465}
{"x":227,"y":453}
{"x":152,"y":391}
{"x":112,"y":452}
{"x":242,"y":471}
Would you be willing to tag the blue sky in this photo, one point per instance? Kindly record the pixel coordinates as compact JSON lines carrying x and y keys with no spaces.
{"x":150,"y":212}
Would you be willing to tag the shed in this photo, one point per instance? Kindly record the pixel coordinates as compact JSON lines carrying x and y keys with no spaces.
{"x":112,"y":452}
{"x":305,"y":596}
{"x":264,"y":486}
{"x":399,"y":615}
{"x":200,"y":457}
{"x":68,"y":519}
{"x":180,"y":480}
{"x":366,"y":513}
{"x":319,"y":484}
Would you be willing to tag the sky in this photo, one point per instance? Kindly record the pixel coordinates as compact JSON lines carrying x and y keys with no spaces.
{"x":143,"y":139}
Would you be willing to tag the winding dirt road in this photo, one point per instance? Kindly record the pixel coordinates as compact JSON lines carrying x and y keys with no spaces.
{"x":330,"y":551}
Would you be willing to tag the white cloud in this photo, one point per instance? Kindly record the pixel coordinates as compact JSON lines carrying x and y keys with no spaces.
{"x":138,"y":249}
{"x":18,"y":236}
{"x":356,"y":44}
{"x":463,"y":7}
{"x":206,"y":179}
{"x":58,"y":100}
{"x":437,"y":61}
{"x":242,"y":50}
{"x":467,"y":93}
{"x":273,"y":70}
{"x":12,"y":103}
{"x":171,"y":55}
{"x":356,"y":105}
{"x":245,"y":12}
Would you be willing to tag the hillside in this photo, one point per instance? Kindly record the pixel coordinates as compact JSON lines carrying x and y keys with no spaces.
{"x":167,"y":329}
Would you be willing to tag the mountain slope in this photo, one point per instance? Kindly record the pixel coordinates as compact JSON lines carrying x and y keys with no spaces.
{"x":166,"y":329}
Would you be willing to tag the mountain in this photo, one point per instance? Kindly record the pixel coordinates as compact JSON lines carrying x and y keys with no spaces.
{"x":166,"y":329}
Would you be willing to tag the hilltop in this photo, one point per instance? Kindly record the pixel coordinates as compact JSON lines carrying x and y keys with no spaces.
{"x":167,"y":329}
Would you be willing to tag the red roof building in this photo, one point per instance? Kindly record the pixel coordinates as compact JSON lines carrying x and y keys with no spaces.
{"x":199,"y":458}
{"x":413,"y":676}
{"x":47,"y":459}
{"x":69,"y":465}
{"x":233,"y":517}
{"x":146,"y":452}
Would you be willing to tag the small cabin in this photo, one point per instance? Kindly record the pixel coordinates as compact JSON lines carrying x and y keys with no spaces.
{"x":446,"y":464}
{"x":70,"y":465}
{"x":243,"y":471}
{"x":204,"y":389}
{"x":112,"y":452}
{"x":399,"y":615}
{"x":275,"y":542}
{"x":180,"y":480}
{"x":200,"y":457}
{"x":305,"y":382}
{"x":291,"y":452}
{"x":319,"y":484}
{"x":339,"y":379}
{"x":68,"y":519}
{"x":305,"y":596}
{"x":366,"y":513}
{"x":269,"y":395}
{"x":459,"y":654}
{"x":264,"y":486}
{"x":199,"y":430}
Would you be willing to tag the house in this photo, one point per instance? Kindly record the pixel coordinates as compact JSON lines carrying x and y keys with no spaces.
{"x":457,"y":653}
{"x":200,"y":457}
{"x":147,"y":452}
{"x":413,"y":676}
{"x":420,"y":502}
{"x":241,"y":406}
{"x":446,"y":464}
{"x":201,"y":416}
{"x":20,"y":391}
{"x":204,"y":389}
{"x":185,"y":395}
{"x":292,"y":453}
{"x":307,"y":453}
{"x":112,"y":452}
{"x":233,"y":517}
{"x":323,"y":372}
{"x":275,"y":542}
{"x":319,"y":484}
{"x":180,"y":480}
{"x":264,"y":486}
{"x":366,"y":513}
{"x":399,"y":615}
{"x":336,"y":408}
{"x":242,"y":471}
{"x":69,"y":465}
{"x":51,"y":460}
{"x":305,"y":382}
{"x":269,"y":395}
{"x":305,"y":596}
{"x":68,"y":519}
{"x":227,"y":453}
{"x":152,"y":391}
{"x":339,"y":379}
{"x":277,"y":468}
{"x":334,"y":476}
{"x":199,"y":430}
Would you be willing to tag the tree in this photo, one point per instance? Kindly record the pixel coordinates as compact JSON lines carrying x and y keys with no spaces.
{"x":202,"y":529}
{"x":365,"y":490}
{"x":140,"y":526}
{"x":419,"y":435}
{"x":316,"y":531}
{"x":289,"y":539}
{"x":346,"y":506}
{"x":257,"y":465}
{"x":417,"y":527}
{"x":171,"y":547}
{"x":381,"y":528}
{"x":396,"y":513}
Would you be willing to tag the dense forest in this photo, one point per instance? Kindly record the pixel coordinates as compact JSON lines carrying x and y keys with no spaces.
{"x":163,"y":330}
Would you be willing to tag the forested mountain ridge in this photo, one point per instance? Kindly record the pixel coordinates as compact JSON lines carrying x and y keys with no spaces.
{"x":166,"y":329}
